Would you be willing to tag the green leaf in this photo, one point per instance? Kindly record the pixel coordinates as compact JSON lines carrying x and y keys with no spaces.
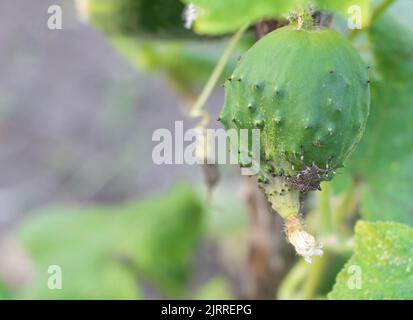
{"x":81,"y":243}
{"x":382,"y":264}
{"x":140,"y":18}
{"x":187,"y":65}
{"x":403,"y":11}
{"x":160,"y":236}
{"x":220,"y":17}
{"x":5,"y":292}
{"x":348,"y":8}
{"x":384,"y":158}
{"x":217,"y":288}
{"x":102,"y":252}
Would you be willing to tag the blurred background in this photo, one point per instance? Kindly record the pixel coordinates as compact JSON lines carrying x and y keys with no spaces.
{"x":84,"y":211}
{"x":76,"y":124}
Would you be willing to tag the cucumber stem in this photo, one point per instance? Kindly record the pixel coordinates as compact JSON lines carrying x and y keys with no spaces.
{"x":324,"y":208}
{"x":303,"y":19}
{"x":284,"y":199}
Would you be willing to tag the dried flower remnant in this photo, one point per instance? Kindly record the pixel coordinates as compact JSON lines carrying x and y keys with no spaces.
{"x":304,"y":243}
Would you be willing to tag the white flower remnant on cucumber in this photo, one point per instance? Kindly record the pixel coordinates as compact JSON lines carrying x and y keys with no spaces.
{"x":304,"y":243}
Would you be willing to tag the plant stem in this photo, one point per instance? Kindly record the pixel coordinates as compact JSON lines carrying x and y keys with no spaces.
{"x":269,"y":256}
{"x":206,"y":92}
{"x":315,"y":278}
{"x":380,"y":9}
{"x":324,"y":208}
{"x":291,"y":283}
{"x":284,"y":201}
{"x":347,"y":207}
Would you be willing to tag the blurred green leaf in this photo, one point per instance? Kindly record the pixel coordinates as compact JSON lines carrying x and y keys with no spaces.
{"x":81,"y":243}
{"x":227,"y":215}
{"x":102,"y":252}
{"x":150,"y":34}
{"x":348,"y":8}
{"x":160,"y":236}
{"x":383,"y":259}
{"x":5,"y":292}
{"x":220,"y":17}
{"x":217,"y":288}
{"x":187,"y":65}
{"x":403,"y":11}
{"x":142,"y":18}
{"x":384,"y":158}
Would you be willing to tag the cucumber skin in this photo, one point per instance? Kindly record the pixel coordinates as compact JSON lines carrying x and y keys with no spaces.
{"x":308,"y":92}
